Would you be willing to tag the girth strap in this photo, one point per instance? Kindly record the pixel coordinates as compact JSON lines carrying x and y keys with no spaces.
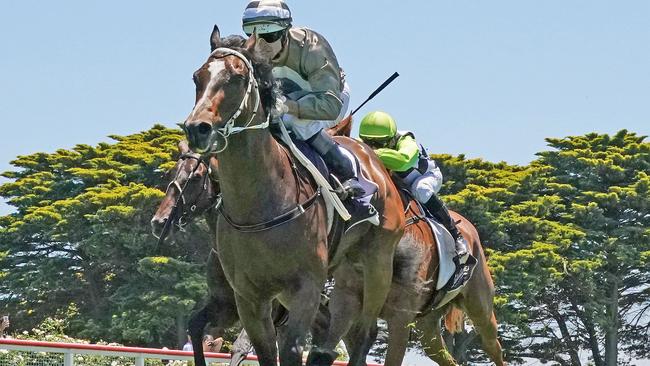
{"x":276,"y":221}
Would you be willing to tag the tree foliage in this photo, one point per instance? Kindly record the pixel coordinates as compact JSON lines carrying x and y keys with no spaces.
{"x":568,"y":240}
{"x":80,"y":237}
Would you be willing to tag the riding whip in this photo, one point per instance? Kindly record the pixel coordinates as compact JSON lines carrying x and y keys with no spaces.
{"x":377,"y":91}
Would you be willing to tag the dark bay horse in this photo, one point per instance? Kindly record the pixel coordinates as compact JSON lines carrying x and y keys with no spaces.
{"x":272,"y":241}
{"x":193,"y":192}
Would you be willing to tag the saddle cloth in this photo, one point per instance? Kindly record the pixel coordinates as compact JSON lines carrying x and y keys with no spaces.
{"x":446,"y":252}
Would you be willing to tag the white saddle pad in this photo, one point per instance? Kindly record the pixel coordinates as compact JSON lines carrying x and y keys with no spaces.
{"x":446,"y":252}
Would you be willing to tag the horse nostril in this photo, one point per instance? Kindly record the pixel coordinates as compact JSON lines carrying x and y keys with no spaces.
{"x":204,"y":128}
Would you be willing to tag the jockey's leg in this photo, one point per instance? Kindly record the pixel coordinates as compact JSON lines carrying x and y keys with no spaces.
{"x":424,"y":188}
{"x":336,"y":160}
{"x":439,"y":210}
{"x":464,"y":261}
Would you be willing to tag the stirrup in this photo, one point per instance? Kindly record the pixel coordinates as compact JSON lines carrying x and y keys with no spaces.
{"x":462,"y":273}
{"x":353,"y":188}
{"x":462,"y":252}
{"x":347,"y":189}
{"x":339,"y":189}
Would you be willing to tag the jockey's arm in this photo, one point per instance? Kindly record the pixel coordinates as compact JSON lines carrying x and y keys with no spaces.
{"x":401,"y":159}
{"x":323,"y":74}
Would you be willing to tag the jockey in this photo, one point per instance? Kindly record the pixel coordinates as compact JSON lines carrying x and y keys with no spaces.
{"x":306,"y":58}
{"x":401,"y":154}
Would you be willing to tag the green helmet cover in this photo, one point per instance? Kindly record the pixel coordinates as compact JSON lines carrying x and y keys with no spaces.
{"x":377,"y":125}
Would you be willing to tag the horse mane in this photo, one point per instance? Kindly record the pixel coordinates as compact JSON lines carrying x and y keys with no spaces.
{"x":262,"y":70}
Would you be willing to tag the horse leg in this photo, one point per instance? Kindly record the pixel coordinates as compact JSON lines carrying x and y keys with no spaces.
{"x":256,"y":318}
{"x":217,"y":311}
{"x":321,"y":324}
{"x":431,"y":339}
{"x":344,"y":307}
{"x":398,"y":338}
{"x":377,"y":279}
{"x":486,"y":326}
{"x":303,"y":305}
{"x":356,"y":345}
{"x":478,"y":303}
{"x":220,"y":309}
{"x":196,"y":326}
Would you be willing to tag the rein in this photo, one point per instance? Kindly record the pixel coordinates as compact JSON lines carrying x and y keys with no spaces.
{"x":180,"y":222}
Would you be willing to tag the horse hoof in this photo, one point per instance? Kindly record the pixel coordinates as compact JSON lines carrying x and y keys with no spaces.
{"x":321,"y":357}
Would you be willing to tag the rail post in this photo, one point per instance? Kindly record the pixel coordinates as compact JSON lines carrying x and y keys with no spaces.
{"x":139,"y":360}
{"x":68,"y":358}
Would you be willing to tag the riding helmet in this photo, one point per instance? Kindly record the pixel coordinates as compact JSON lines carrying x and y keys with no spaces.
{"x":377,"y":125}
{"x":266,"y":16}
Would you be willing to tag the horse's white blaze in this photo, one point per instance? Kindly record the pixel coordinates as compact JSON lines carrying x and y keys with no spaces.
{"x":215,"y":67}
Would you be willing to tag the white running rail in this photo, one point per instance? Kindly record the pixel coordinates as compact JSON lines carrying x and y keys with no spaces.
{"x":20,"y":352}
{"x":17,"y":352}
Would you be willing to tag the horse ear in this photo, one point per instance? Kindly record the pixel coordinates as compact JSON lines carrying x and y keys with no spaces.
{"x":183,"y":147}
{"x":215,"y":38}
{"x":251,"y":41}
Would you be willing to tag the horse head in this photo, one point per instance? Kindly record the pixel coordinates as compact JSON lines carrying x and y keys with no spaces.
{"x":232,"y":86}
{"x":191,"y":192}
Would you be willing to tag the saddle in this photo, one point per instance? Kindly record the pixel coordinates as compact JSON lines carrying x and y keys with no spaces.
{"x":360,"y":208}
{"x":445,"y":246}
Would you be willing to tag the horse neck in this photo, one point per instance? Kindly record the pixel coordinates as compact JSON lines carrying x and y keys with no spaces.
{"x":251,"y":172}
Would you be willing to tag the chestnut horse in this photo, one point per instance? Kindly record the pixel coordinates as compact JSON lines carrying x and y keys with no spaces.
{"x":414,"y":276}
{"x":272,"y":241}
{"x":414,"y":288}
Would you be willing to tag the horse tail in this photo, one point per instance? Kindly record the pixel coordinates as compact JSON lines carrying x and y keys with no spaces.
{"x":454,"y":320}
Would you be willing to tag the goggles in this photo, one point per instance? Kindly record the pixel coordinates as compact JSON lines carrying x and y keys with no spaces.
{"x":377,"y":143}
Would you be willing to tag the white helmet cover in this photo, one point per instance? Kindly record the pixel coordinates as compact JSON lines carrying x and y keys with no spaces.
{"x":266,"y":16}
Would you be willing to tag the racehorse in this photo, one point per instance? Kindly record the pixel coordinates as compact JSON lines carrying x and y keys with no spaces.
{"x":413,"y":290}
{"x":414,"y":276}
{"x":272,"y":241}
{"x":193,"y":192}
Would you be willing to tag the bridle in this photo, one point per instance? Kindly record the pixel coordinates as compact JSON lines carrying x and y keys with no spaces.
{"x":229,"y":127}
{"x":181,"y":221}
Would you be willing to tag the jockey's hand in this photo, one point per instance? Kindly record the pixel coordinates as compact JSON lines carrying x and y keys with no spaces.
{"x":292,"y":106}
{"x":280,"y":107}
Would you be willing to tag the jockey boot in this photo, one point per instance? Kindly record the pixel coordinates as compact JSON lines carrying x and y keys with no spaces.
{"x":338,"y":162}
{"x":438,"y":209}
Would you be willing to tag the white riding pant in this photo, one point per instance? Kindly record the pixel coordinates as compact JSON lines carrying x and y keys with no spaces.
{"x":304,"y":129}
{"x":423,"y":186}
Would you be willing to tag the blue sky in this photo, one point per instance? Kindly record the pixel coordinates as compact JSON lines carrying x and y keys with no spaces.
{"x":490,"y":79}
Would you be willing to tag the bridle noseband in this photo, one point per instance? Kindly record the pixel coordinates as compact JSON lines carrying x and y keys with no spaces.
{"x":229,"y":127}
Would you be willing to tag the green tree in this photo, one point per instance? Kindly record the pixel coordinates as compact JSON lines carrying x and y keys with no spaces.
{"x":568,"y":242}
{"x":80,"y":236}
{"x":605,"y":187}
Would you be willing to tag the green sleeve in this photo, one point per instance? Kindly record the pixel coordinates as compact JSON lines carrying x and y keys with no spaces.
{"x":402,"y":159}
